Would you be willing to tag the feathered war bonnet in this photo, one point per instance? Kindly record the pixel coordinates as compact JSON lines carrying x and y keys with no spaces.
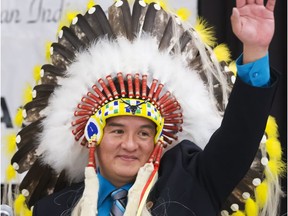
{"x":147,"y":63}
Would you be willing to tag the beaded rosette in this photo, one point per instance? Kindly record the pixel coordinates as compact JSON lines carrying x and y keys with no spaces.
{"x":148,"y":63}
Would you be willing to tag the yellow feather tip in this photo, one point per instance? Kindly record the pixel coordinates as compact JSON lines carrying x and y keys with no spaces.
{"x":222,"y":53}
{"x":251,"y":207}
{"x":47,"y":50}
{"x":238,"y":213}
{"x":18,"y":119}
{"x":232,"y":67}
{"x":36,"y":73}
{"x":205,"y":32}
{"x":162,"y":3}
{"x":27,"y":94}
{"x":273,"y":147}
{"x":10,"y":173}
{"x":19,"y":205}
{"x":10,"y":144}
{"x":274,"y":169}
{"x":271,"y":127}
{"x":183,"y":13}
{"x":261,"y":193}
{"x":90,"y":4}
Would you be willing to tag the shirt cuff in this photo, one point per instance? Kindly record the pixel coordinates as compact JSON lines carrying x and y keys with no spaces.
{"x":255,"y":73}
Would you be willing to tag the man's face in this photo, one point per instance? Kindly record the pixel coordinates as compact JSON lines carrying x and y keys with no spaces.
{"x":126,"y":146}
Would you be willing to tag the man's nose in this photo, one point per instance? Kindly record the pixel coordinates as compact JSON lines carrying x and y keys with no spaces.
{"x":129,"y":143}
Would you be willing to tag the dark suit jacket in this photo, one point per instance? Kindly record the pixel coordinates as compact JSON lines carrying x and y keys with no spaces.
{"x":195,"y":182}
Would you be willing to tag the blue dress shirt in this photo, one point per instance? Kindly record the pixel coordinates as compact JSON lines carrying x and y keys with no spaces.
{"x":254,"y":73}
{"x":104,"y":199}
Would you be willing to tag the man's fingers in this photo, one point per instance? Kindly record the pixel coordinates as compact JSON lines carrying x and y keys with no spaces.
{"x":260,"y":2}
{"x":271,"y":5}
{"x":250,"y":1}
{"x":240,"y":3}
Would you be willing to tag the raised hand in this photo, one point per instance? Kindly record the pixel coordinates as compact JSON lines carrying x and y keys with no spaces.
{"x":253,"y":23}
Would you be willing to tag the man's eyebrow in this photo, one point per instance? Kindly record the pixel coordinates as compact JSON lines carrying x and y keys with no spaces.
{"x":114,"y":124}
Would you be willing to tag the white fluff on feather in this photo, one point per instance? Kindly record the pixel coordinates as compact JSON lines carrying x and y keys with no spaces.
{"x":59,"y":148}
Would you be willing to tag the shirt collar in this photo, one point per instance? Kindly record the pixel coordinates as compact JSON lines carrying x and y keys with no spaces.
{"x":106,"y":187}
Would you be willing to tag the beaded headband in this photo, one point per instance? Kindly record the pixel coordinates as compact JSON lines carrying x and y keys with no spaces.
{"x":139,"y":100}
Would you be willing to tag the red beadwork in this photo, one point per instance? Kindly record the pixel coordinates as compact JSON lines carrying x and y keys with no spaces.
{"x":79,"y":135}
{"x":80,"y":127}
{"x":174,"y":115}
{"x":167,"y":140}
{"x":106,"y":90}
{"x":169,"y":134}
{"x":82,"y":113}
{"x":80,"y":120}
{"x":144,"y":87}
{"x":137,"y":85}
{"x":130,"y":86}
{"x":171,"y":110}
{"x":170,"y":106}
{"x":157,"y":93}
{"x":112,"y":86}
{"x":86,"y":107}
{"x":163,"y":99}
{"x":121,"y":82}
{"x":89,"y":101}
{"x":174,"y":128}
{"x":100,"y":94}
{"x":95,"y":98}
{"x":152,"y":89}
{"x":173,"y":121}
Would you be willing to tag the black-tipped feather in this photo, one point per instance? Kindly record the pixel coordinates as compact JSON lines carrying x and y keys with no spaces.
{"x":120,"y":19}
{"x":69,"y":39}
{"x":138,"y":16}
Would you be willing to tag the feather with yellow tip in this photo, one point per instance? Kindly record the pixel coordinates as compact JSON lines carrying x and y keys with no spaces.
{"x":10,"y":173}
{"x":206,"y":32}
{"x":18,"y":119}
{"x":238,"y":213}
{"x":183,"y":13}
{"x":251,"y":207}
{"x":20,"y":207}
{"x":222,"y":53}
{"x":261,"y":194}
{"x":36,"y":73}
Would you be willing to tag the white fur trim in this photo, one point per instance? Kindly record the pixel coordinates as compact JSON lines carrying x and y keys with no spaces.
{"x":87,"y":205}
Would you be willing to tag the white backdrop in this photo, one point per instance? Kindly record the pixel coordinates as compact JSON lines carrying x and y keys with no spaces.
{"x":26,"y":26}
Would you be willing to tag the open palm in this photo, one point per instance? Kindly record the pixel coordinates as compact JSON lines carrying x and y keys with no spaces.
{"x":253,"y":22}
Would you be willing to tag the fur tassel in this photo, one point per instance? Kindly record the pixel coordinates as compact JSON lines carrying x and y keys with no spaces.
{"x":136,"y":190}
{"x":87,"y":205}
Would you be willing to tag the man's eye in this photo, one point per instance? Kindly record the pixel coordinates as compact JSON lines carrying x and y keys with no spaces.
{"x":144,"y":134}
{"x":118,"y":131}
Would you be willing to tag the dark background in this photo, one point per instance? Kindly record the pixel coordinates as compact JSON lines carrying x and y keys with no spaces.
{"x":217,"y":13}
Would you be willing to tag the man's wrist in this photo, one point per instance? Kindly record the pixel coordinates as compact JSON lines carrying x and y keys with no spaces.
{"x":253,"y":53}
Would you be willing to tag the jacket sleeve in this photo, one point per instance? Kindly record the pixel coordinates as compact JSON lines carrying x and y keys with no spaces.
{"x":228,"y":155}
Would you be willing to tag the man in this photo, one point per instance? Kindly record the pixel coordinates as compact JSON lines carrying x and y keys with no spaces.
{"x":128,"y":129}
